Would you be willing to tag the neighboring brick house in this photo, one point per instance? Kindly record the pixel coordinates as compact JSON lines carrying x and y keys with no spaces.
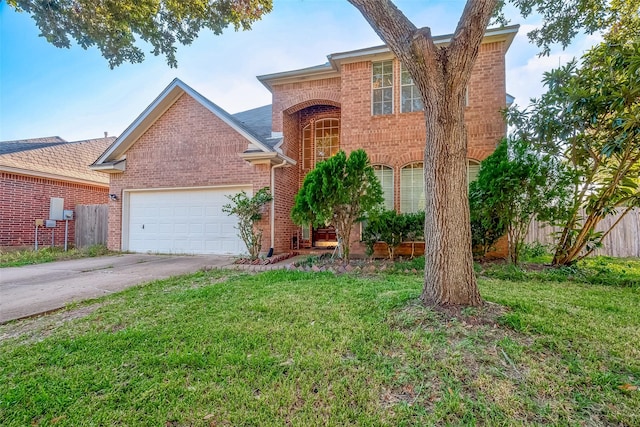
{"x":33,"y":171}
{"x":172,"y":168}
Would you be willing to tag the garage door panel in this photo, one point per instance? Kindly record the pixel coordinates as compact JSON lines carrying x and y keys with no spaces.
{"x":213,"y":229}
{"x":180,"y":228}
{"x":214,"y":211}
{"x":183,"y":221}
{"x":196,"y":211}
{"x":195,"y":228}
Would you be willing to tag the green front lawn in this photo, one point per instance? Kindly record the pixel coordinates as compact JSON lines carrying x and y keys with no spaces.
{"x":292,"y":348}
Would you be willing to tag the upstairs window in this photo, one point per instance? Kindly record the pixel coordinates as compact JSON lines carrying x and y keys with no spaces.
{"x":382,"y":88}
{"x":410,"y":99}
{"x":385,"y":176}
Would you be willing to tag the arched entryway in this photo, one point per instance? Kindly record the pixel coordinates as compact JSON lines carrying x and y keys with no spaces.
{"x":318,"y":133}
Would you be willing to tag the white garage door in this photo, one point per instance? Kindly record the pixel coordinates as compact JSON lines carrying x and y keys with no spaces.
{"x":183,"y":221}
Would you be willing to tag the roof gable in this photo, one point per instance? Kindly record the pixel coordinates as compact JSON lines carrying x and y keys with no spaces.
{"x":158,"y":107}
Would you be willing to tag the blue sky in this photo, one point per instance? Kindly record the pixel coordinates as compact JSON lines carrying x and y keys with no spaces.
{"x":72,"y":93}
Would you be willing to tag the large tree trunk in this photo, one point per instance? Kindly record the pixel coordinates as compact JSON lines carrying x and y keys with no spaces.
{"x":449,"y":278}
{"x":441,"y":74}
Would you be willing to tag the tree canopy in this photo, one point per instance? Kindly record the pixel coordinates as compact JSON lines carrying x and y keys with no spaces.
{"x":114,"y":27}
{"x":515,"y":185}
{"x":117,"y":28}
{"x":590,"y":118}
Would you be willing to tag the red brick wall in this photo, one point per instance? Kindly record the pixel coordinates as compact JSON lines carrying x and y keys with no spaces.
{"x":286,"y":180}
{"x":27,"y":198}
{"x":396,"y":139}
{"x":187,"y":147}
{"x":292,"y":97}
{"x":391,"y":136}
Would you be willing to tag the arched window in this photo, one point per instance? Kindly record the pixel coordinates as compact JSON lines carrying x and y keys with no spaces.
{"x":385,"y":176}
{"x":327,"y":138}
{"x":320,"y":140}
{"x":473,"y":168}
{"x":307,"y":149}
{"x":412,"y":188}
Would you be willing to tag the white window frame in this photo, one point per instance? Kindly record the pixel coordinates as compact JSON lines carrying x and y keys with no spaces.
{"x":471,"y":162}
{"x":415,"y":205}
{"x":306,"y":141}
{"x":333,"y":150}
{"x":388,"y":201}
{"x":382,"y":88}
{"x":414,"y":90}
{"x":312,"y":142}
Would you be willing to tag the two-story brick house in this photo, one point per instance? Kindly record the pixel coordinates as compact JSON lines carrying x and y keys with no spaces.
{"x":171,"y":169}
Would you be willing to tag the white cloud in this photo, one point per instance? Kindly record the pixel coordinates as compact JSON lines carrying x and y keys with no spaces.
{"x":525,"y":68}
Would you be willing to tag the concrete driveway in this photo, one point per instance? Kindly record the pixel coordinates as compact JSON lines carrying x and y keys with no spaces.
{"x":34,"y":289}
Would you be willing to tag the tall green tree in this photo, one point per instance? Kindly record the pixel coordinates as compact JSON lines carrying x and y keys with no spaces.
{"x":590,"y":118}
{"x":338,"y":192}
{"x":441,"y":74}
{"x":515,"y":185}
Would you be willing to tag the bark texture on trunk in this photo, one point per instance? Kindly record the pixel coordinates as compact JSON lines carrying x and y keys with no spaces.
{"x":441,"y":74}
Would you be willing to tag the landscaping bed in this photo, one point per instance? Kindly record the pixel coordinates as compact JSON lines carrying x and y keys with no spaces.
{"x":265,"y":261}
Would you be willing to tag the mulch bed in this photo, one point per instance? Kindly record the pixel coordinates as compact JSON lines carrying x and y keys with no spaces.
{"x":266,"y":261}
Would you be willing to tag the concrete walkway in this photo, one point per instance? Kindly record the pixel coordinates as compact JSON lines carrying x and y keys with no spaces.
{"x":34,"y":289}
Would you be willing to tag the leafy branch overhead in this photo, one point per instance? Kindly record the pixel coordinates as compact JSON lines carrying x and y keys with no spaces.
{"x":116,"y":27}
{"x":120,"y":28}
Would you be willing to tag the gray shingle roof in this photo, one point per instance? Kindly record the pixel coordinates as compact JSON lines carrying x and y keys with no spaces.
{"x":16,"y":146}
{"x":258,"y":122}
{"x":64,"y":160}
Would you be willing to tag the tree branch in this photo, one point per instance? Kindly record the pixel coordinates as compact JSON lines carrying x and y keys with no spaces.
{"x":469,"y":33}
{"x":395,"y":29}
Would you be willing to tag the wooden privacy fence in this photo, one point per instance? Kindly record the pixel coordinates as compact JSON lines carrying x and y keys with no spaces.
{"x":623,"y":241}
{"x":91,"y":225}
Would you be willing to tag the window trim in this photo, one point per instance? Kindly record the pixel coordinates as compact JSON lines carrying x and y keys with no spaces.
{"x":408,"y":165}
{"x":312,"y":126}
{"x":304,"y":142}
{"x":315,"y":138}
{"x":412,"y":85}
{"x":392,"y":86}
{"x":470,"y":162}
{"x":393,"y":190}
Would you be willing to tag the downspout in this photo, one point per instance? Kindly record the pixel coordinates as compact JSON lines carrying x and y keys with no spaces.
{"x":273,"y":205}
